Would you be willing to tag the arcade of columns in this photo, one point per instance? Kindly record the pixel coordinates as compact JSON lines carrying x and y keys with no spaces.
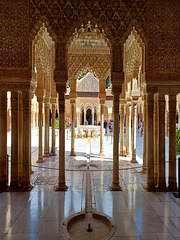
{"x":125,"y":97}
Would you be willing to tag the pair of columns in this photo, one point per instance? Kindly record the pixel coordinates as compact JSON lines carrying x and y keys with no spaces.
{"x":115,"y":182}
{"x":20,"y":141}
{"x":155,"y":142}
{"x":46,"y":131}
{"x":72,"y":102}
{"x":129,"y":107}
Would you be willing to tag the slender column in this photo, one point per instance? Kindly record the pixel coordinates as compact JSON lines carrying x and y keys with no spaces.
{"x":78,"y":117}
{"x":84,"y":115}
{"x":134,"y":114}
{"x":144,"y":167}
{"x":121,"y":130}
{"x":161,"y":142}
{"x":40,"y":122}
{"x":149,"y":142}
{"x":102,"y":130}
{"x":53,"y":152}
{"x":172,"y":143}
{"x":128,"y":130}
{"x":14,"y":140}
{"x":62,"y":183}
{"x":155,"y":141}
{"x":115,"y":183}
{"x":72,"y":127}
{"x":20,"y":127}
{"x":26,"y":95}
{"x":46,"y":147}
{"x":3,"y":141}
{"x":93,"y":116}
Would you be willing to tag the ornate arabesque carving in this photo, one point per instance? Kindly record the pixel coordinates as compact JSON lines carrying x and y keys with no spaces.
{"x":95,"y":55}
{"x":133,"y":64}
{"x":114,"y":16}
{"x":43,"y":64}
{"x":163,"y":52}
{"x":14,"y":32}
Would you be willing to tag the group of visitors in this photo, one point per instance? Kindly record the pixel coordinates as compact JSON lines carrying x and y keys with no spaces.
{"x":110,"y":125}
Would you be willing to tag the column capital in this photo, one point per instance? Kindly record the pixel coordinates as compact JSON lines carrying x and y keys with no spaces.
{"x":117,"y":78}
{"x":60,"y":76}
{"x":72,"y":101}
{"x":102,"y":101}
{"x":61,"y":89}
{"x":116,"y":89}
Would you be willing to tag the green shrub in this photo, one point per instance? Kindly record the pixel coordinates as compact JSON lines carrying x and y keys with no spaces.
{"x":178,"y":142}
{"x":57,"y":123}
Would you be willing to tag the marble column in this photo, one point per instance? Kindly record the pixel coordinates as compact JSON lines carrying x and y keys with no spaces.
{"x":78,"y":118}
{"x":46,"y":131}
{"x":93,"y":116}
{"x":134,"y":116}
{"x":3,"y":140}
{"x":128,"y":130}
{"x":25,"y":185}
{"x":14,"y":183}
{"x":102,"y":130}
{"x":161,"y":142}
{"x":115,"y":183}
{"x":72,"y":101}
{"x":155,"y":140}
{"x":20,"y":128}
{"x":40,"y":122}
{"x":53,"y":152}
{"x":150,"y":141}
{"x":172,"y":143}
{"x":144,"y":167}
{"x":62,"y":183}
{"x":84,"y":115}
{"x":121,"y":130}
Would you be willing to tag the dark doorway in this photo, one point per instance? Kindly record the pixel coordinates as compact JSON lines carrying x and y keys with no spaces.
{"x":82,"y":122}
{"x":89,"y":116}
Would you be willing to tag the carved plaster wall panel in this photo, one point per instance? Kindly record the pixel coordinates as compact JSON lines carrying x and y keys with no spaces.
{"x":14,"y":34}
{"x":89,"y":83}
{"x":114,"y":16}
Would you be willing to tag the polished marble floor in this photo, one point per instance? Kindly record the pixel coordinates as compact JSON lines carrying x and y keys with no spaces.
{"x":39,"y":214}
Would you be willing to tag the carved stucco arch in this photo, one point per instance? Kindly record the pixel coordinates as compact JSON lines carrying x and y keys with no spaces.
{"x":134,"y":57}
{"x":88,"y":105}
{"x":88,"y":48}
{"x":43,"y":56}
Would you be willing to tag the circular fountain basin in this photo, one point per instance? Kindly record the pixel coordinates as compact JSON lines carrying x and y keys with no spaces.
{"x":76,"y":226}
{"x":91,"y":165}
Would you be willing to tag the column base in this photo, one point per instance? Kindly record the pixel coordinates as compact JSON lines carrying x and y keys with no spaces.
{"x":3,"y":187}
{"x":53,"y":154}
{"x":162,"y":187}
{"x":150,"y":187}
{"x":14,"y":187}
{"x":143,"y":171}
{"x":61,"y":187}
{"x":121,"y":154}
{"x":115,"y":187}
{"x":101,"y":154}
{"x":25,"y":188}
{"x":133,"y":161}
{"x":46,"y":155}
{"x":31,"y":171}
{"x":72,"y":154}
{"x":40,"y":160}
{"x":172,"y":187}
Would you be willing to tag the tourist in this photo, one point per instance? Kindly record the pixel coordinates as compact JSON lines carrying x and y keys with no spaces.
{"x":110,"y":125}
{"x":105,"y":126}
{"x":86,"y":122}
